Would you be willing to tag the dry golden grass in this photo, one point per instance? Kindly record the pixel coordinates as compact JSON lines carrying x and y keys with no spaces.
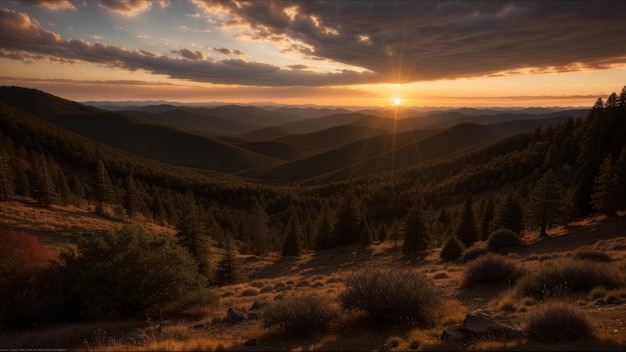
{"x":324,"y":273}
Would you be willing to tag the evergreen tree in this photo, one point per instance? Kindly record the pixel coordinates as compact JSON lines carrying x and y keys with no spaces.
{"x":6,"y":181}
{"x":292,"y":245}
{"x":76,"y":186}
{"x":22,"y":184}
{"x":104,"y":189}
{"x":395,"y":233}
{"x":158,"y":210}
{"x":611,"y":101}
{"x":416,"y":238}
{"x":131,"y":198}
{"x":546,"y":202}
{"x":367,"y":237}
{"x":348,"y":222}
{"x":606,"y":188}
{"x":466,"y":230}
{"x":229,"y":270}
{"x":620,"y":172}
{"x":325,"y":229}
{"x":46,"y":192}
{"x":259,"y":231}
{"x":486,"y":220}
{"x":192,"y":234}
{"x":621,"y":101}
{"x":510,"y":215}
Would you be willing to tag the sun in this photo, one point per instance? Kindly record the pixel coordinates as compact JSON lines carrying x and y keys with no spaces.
{"x":396,"y":101}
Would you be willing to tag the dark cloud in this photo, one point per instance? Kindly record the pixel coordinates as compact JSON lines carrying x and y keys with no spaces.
{"x":190,"y":55}
{"x":298,"y":67}
{"x":227,"y":51}
{"x":429,"y":40}
{"x":28,"y":41}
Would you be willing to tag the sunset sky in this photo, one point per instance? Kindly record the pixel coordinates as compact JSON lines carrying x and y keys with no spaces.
{"x":327,"y":53}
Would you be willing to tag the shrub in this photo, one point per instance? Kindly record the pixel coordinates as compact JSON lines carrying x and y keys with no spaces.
{"x":128,"y":273}
{"x":452,"y":249}
{"x":249,"y":292}
{"x":577,"y":275}
{"x":557,"y":322}
{"x":23,"y":259}
{"x":398,"y":295}
{"x":596,"y":256}
{"x":502,"y":238}
{"x":490,"y":268}
{"x":306,"y":315}
{"x":472,"y":253}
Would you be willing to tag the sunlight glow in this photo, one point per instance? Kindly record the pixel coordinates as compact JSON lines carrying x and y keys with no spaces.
{"x":396,"y":101}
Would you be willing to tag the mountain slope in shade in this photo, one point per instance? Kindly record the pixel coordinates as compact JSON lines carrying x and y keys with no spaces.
{"x":384,"y":153}
{"x":280,"y":149}
{"x":124,"y":132}
{"x":192,"y":122}
{"x":455,"y":139}
{"x":335,"y":136}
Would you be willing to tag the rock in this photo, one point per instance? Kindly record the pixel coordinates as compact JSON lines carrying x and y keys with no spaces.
{"x":236,"y":315}
{"x":258,"y":305}
{"x":254,"y":315}
{"x":481,"y":324}
{"x":251,"y":342}
{"x":136,"y":337}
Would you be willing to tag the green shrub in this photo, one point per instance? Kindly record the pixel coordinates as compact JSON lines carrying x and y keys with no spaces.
{"x":577,"y":275}
{"x":490,"y":268}
{"x":452,"y":249}
{"x":398,"y":295}
{"x":557,"y":322}
{"x":596,"y":256}
{"x":128,"y":273}
{"x":503,"y":238}
{"x":302,"y":316}
{"x":472,"y":253}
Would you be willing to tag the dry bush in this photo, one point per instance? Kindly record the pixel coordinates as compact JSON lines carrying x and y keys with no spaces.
{"x":452,"y":249}
{"x":473,"y":253}
{"x":593,"y":255}
{"x":491,"y":268}
{"x":557,"y":322}
{"x":502,"y":239}
{"x":249,"y":293}
{"x":577,"y":275}
{"x":266,"y":289}
{"x":305,"y":315}
{"x":441,"y":276}
{"x":257,"y":284}
{"x":398,"y":295}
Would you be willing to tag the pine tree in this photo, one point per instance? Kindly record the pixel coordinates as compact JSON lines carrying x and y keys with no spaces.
{"x":466,"y":231}
{"x":606,"y":188}
{"x":131,"y":198}
{"x":416,"y":238}
{"x":258,"y":226}
{"x":510,"y":215}
{"x":325,"y":229}
{"x":46,"y":192}
{"x":192,"y":234}
{"x":621,"y":101}
{"x":104,"y":189}
{"x":486,"y":220}
{"x":367,"y":237}
{"x":546,"y":202}
{"x":620,"y":172}
{"x":6,"y":181}
{"x":229,"y":270}
{"x":292,"y":245}
{"x":348,"y":222}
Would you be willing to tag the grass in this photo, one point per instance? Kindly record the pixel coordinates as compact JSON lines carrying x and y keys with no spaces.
{"x":271,"y":277}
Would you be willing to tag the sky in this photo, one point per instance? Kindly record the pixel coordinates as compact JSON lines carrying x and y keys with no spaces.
{"x":326,"y":53}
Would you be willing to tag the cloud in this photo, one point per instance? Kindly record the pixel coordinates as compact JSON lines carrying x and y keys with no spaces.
{"x":54,"y":5}
{"x":191,"y":55}
{"x":128,"y":8}
{"x":96,"y":36}
{"x":405,"y":41}
{"x":26,"y":40}
{"x":226,"y":51}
